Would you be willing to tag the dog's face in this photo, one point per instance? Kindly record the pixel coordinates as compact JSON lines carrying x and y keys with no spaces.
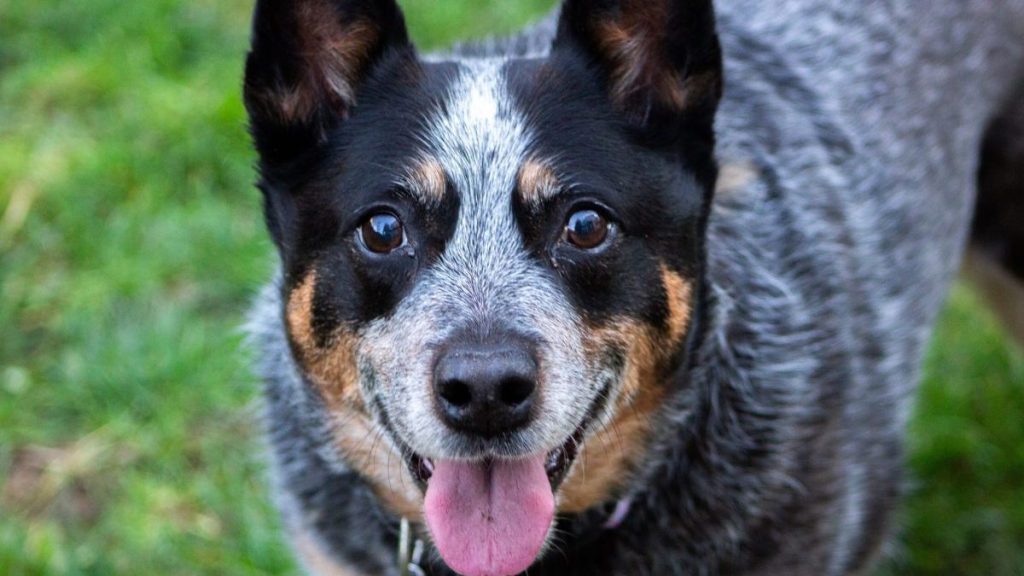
{"x":491,"y":266}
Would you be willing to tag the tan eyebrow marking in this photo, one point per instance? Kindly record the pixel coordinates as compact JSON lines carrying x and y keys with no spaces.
{"x":426,"y":180}
{"x":537,"y":181}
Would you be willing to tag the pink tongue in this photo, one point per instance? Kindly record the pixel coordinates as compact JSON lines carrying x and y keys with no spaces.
{"x":489,"y":521}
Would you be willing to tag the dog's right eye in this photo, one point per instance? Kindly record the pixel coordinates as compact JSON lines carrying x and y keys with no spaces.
{"x":587,"y":229}
{"x":382,"y":233}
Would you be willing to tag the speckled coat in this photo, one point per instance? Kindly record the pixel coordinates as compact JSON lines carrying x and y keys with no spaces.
{"x":848,"y":141}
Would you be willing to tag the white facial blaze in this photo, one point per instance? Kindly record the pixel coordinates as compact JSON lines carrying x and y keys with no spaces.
{"x":482,"y":103}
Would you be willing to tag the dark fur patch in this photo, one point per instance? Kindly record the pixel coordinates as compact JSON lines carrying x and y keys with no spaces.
{"x":998,"y":226}
{"x":995,"y":260}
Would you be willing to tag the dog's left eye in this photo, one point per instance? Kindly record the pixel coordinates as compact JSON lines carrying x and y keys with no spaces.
{"x":382,"y":233}
{"x":587,"y":229}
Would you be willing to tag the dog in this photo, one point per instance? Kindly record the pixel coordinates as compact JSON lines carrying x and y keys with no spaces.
{"x":644,"y":290}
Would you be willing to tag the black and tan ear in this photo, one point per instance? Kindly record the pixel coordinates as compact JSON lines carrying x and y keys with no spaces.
{"x":308,"y":61}
{"x":660,"y":59}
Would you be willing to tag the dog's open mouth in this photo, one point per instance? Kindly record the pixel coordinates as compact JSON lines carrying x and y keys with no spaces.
{"x":491,"y":517}
{"x":556,"y":463}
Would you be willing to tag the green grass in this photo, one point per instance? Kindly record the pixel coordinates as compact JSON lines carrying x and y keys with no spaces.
{"x":130,"y":244}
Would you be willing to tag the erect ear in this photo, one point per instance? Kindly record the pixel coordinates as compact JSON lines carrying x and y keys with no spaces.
{"x":660,"y":59}
{"x":308,"y":60}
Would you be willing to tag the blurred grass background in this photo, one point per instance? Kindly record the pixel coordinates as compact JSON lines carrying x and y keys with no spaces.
{"x":131,"y":243}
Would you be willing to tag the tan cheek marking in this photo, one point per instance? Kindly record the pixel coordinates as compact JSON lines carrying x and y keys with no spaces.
{"x":332,"y":368}
{"x":607,"y":457}
{"x":334,"y":373}
{"x":679,"y":294}
{"x":537,"y":182}
{"x":427,"y":180}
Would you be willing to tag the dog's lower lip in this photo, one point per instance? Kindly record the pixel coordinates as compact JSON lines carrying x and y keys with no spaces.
{"x":560,"y":459}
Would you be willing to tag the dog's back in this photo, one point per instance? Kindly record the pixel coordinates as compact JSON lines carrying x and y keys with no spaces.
{"x":855,"y":131}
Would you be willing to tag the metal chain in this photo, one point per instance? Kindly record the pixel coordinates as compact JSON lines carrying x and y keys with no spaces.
{"x":410,"y":551}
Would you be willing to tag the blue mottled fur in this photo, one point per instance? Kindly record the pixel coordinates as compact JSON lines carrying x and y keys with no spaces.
{"x":851,"y":133}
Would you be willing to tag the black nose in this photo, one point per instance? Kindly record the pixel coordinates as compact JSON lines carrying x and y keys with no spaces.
{"x":486,"y":389}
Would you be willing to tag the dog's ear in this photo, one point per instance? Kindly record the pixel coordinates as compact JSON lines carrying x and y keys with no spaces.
{"x":660,"y":60}
{"x":307,"y":62}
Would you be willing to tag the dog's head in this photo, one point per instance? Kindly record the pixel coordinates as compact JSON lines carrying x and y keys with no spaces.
{"x":491,"y":265}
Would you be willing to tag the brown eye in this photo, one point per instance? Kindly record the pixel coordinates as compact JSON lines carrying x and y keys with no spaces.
{"x":382,"y":233}
{"x":586,"y":229}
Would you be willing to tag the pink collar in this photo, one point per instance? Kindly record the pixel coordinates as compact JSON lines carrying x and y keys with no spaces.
{"x":619,"y":514}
